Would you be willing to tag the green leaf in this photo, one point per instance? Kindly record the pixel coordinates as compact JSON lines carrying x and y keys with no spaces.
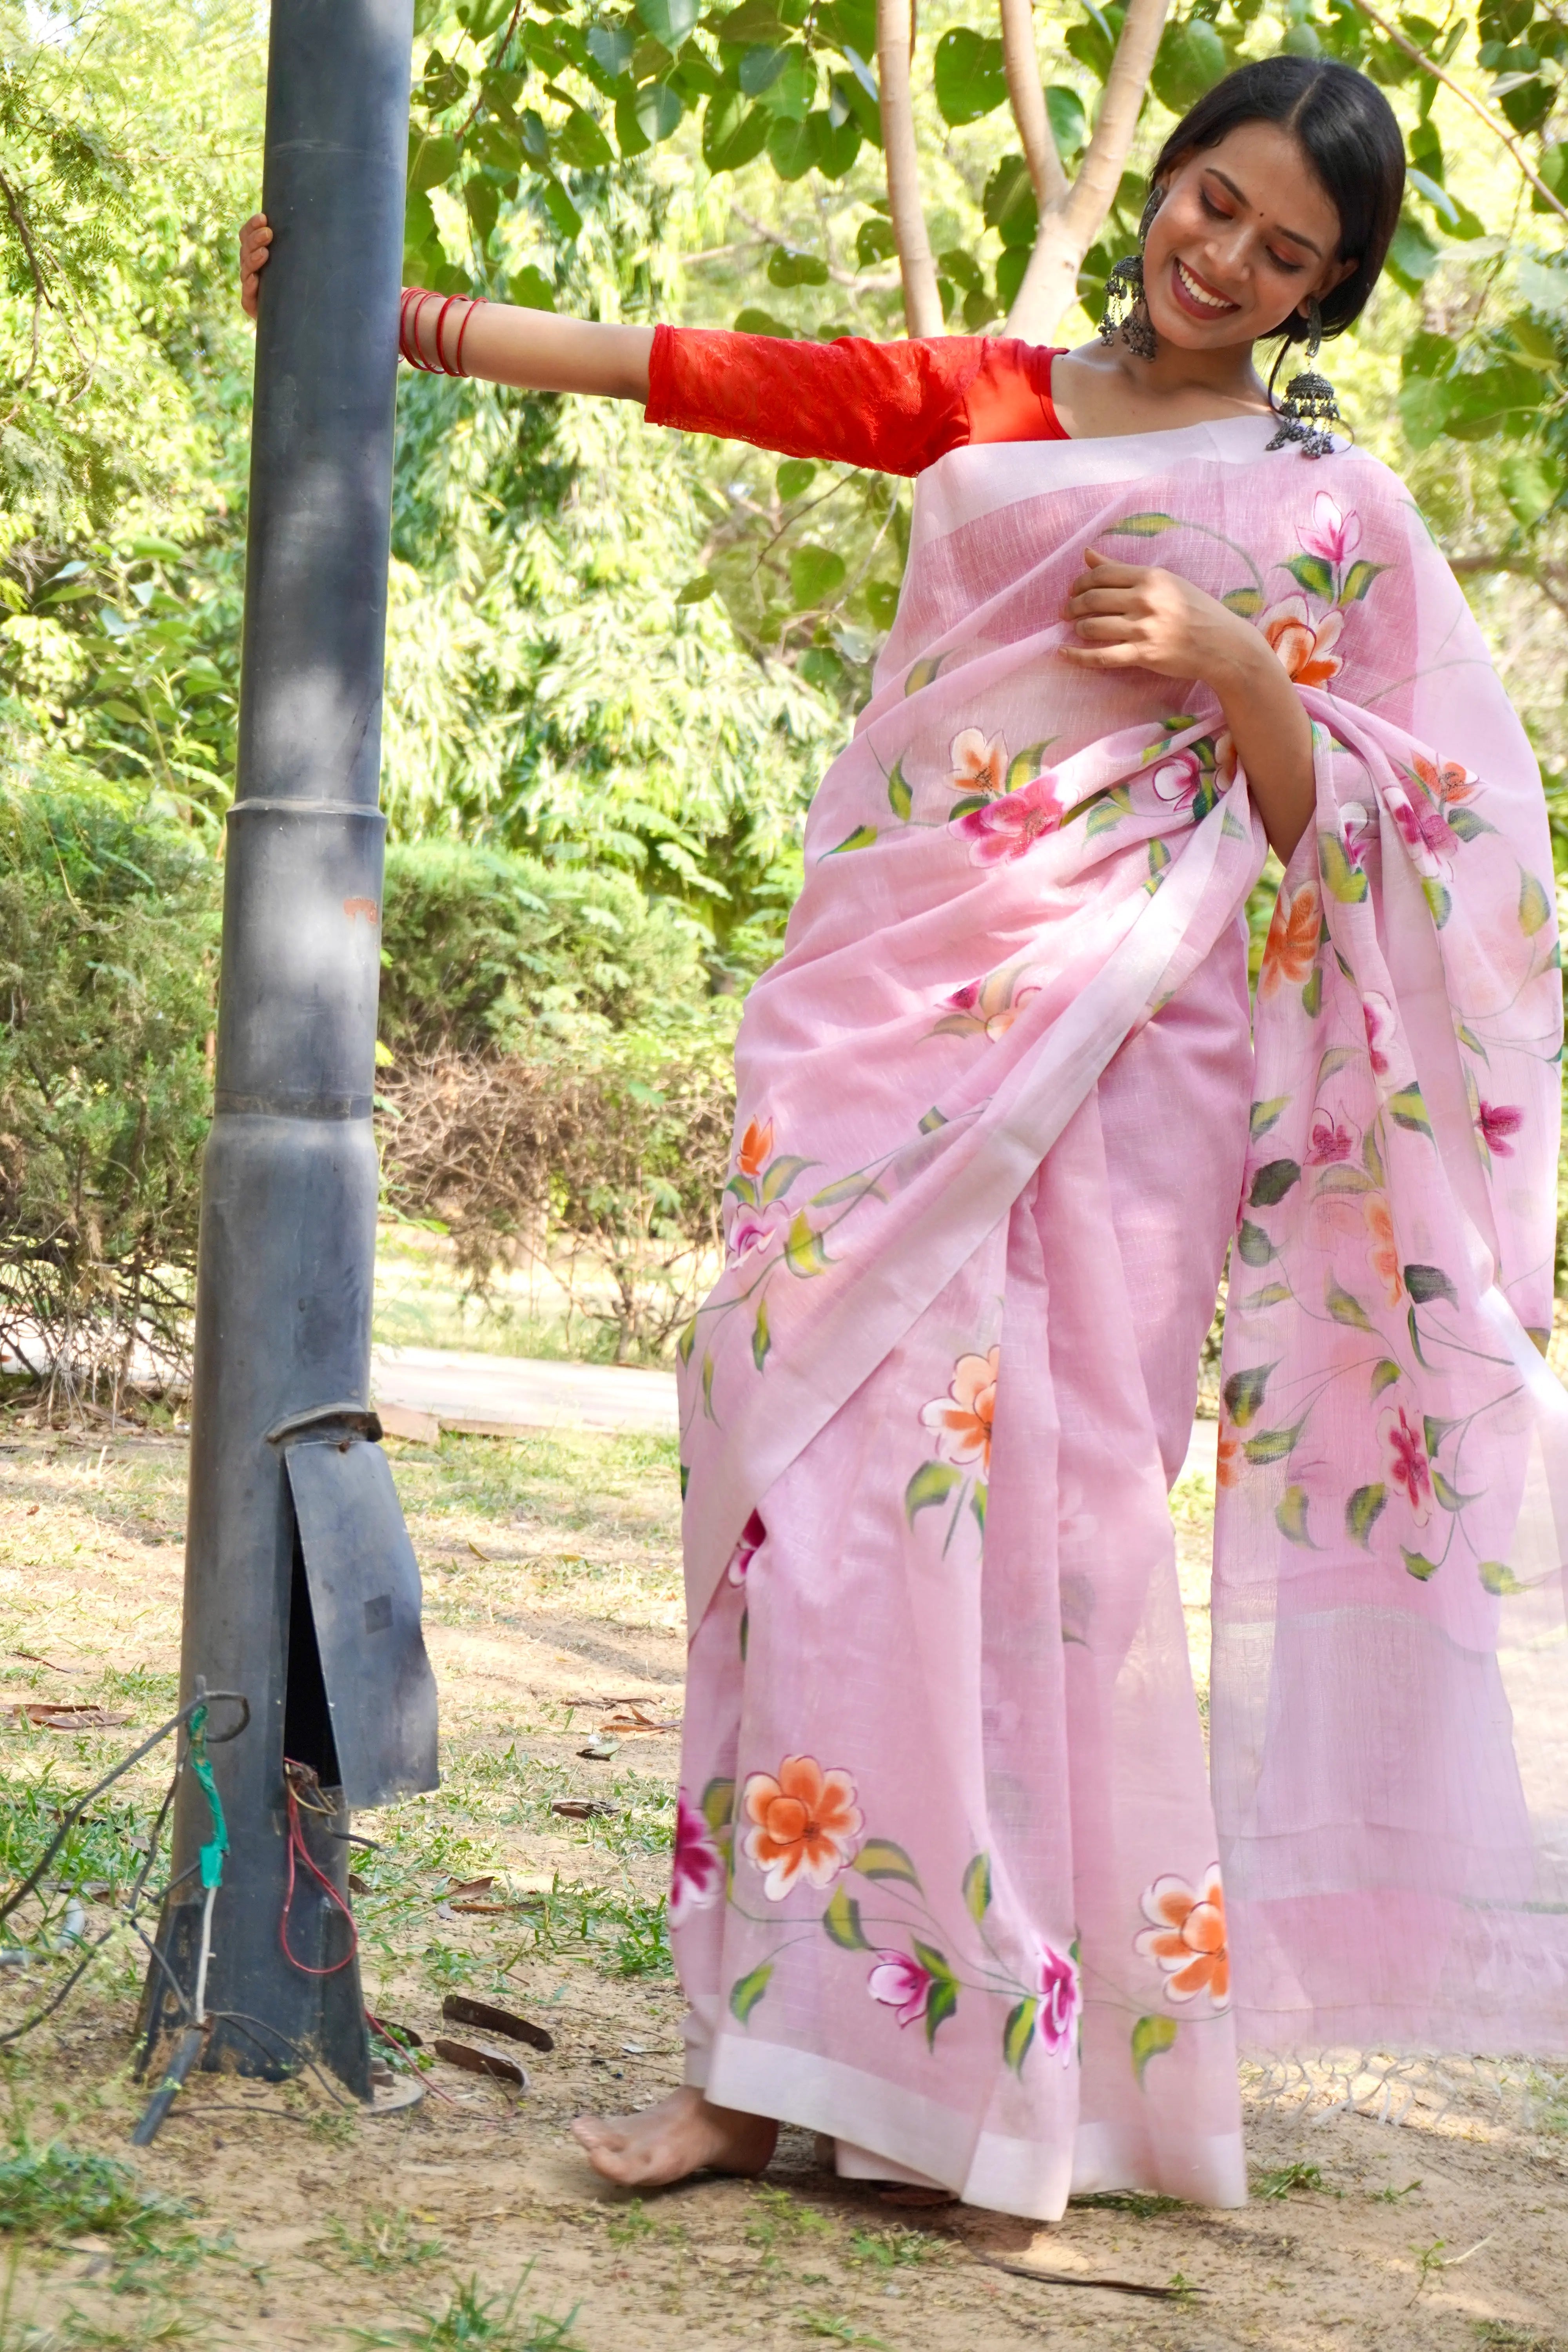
{"x":1358,"y":580}
{"x":1290,"y":1515}
{"x":612,"y":47}
{"x":842,"y":1921}
{"x":1534,"y":905}
{"x":934,"y":1482}
{"x":1151,"y":2035}
{"x":1385,"y":1372}
{"x":1142,"y":526}
{"x":1246,"y":602}
{"x":880,"y":1858}
{"x":1272,"y":1181}
{"x":793,"y":146}
{"x":1264,"y":1115}
{"x":899,"y":798}
{"x":977,"y":1505}
{"x":762,"y":1338}
{"x":923,"y":674}
{"x":670,"y":21}
{"x":1342,"y":1179}
{"x":1448,"y":1495}
{"x":686,"y":1341}
{"x":1437,"y":899}
{"x":968,"y":74}
{"x":862,"y":838}
{"x":433,"y":162}
{"x":844,"y":1187}
{"x":1429,"y":1282}
{"x":747,"y":1991}
{"x":1312,"y":994}
{"x":732,"y":131}
{"x":1498,"y":1578}
{"x":977,"y":1887}
{"x":781,"y":1174}
{"x":941,"y":2002}
{"x":1467,"y":825}
{"x":1372,"y":1157}
{"x":1253,"y":1245}
{"x":1273,"y":1293}
{"x":707,"y":1384}
{"x":1017,"y":2034}
{"x":1341,"y":877}
{"x":1244,"y":1393}
{"x":795,"y":477}
{"x":1345,"y":1309}
{"x":1310,"y":573}
{"x":1273,"y":1444}
{"x":718,"y":1805}
{"x":579,"y":142}
{"x":568,"y":220}
{"x":816,"y":574}
{"x":788,"y":268}
{"x":804,"y":1250}
{"x":1190,"y":59}
{"x":1338,"y":1057}
{"x":1362,"y":1509}
{"x":932,"y":1121}
{"x":531,"y":290}
{"x":1418,"y":1564}
{"x":1009,"y":206}
{"x":1408,"y":1109}
{"x":1434,"y":1430}
{"x":1025,"y":766}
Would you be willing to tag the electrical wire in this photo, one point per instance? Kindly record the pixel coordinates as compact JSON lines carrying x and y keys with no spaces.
{"x":299,"y":1851}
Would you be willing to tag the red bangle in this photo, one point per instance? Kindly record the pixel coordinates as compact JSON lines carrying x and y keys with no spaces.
{"x":407,"y":335}
{"x":474,"y":304}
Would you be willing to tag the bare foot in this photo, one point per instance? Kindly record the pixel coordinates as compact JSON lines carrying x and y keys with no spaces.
{"x":682,"y":2134}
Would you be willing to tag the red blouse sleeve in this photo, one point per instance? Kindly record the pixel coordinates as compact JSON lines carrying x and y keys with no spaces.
{"x":895,"y":407}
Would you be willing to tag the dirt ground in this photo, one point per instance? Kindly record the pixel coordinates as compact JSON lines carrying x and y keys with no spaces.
{"x":1426,"y":2208}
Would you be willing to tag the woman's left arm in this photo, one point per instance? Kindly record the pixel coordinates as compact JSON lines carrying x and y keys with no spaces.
{"x":1135,"y":617}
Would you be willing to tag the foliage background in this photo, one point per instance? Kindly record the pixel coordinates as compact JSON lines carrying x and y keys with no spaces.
{"x":619,"y":659}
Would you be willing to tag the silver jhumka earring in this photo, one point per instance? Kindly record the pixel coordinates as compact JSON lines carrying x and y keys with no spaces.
{"x":1126,"y":311}
{"x":1309,"y":408}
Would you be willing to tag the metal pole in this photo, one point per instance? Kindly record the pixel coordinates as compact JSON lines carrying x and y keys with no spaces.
{"x":289,"y":1184}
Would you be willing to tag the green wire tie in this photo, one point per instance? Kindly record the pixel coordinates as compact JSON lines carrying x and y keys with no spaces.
{"x":213,"y":1852}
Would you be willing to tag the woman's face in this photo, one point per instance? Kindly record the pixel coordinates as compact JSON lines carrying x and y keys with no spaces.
{"x":1245,"y":237}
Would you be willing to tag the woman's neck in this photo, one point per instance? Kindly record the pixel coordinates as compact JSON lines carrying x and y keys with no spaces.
{"x":1098,"y":392}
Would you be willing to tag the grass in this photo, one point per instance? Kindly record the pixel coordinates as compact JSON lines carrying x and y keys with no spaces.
{"x":384,"y":2241}
{"x":58,"y":2192}
{"x":472,"y":2317}
{"x":1287,"y":2179}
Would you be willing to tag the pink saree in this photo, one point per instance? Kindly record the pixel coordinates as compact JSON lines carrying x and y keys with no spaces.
{"x":949,"y":1883}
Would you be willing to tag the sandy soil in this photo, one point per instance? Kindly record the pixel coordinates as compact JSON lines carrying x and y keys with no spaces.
{"x":1432,"y":2212}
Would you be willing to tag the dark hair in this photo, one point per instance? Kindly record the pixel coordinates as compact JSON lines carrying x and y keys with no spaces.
{"x":1345,"y":127}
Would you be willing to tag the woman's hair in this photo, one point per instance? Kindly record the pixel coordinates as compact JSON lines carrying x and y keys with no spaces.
{"x":1345,"y":127}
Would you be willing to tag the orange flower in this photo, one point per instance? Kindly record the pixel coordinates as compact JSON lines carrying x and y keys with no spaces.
{"x":756,"y":1147}
{"x":1304,"y":645}
{"x":1383,"y":1249}
{"x":1187,"y":1938}
{"x":1227,"y":1459}
{"x":978,"y":766}
{"x":804,"y":1824}
{"x":1446,"y":782}
{"x":965,"y":1413}
{"x":1292,"y":944}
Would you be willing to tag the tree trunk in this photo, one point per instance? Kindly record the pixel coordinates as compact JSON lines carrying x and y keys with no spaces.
{"x":895,"y":41}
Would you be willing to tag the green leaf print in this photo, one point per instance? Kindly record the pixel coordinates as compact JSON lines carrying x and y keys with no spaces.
{"x":1372,"y":1159}
{"x":1342,"y":877}
{"x":942,"y":1998}
{"x":1273,"y":1293}
{"x":1467,"y":824}
{"x":932,"y":1121}
{"x":1151,"y":2035}
{"x":1025,"y":766}
{"x":1345,"y":1309}
{"x":1438,"y":899}
{"x":762,"y":1339}
{"x":842,"y":1921}
{"x":707,"y":1384}
{"x":934,"y":1482}
{"x":899,"y":798}
{"x":1290,"y":1515}
{"x":1272,"y":1181}
{"x":1362,"y":1510}
{"x":1418,"y":1564}
{"x":747,"y":1991}
{"x":804,"y":1250}
{"x":1253,"y":1245}
{"x":686,"y":1341}
{"x":977,"y":1503}
{"x":880,"y":1858}
{"x":1338,"y":1057}
{"x":1408,"y":1109}
{"x":1017,"y":2034}
{"x":1246,"y":602}
{"x":1312,"y":994}
{"x":1265,"y":1115}
{"x":1498,"y":1578}
{"x":743,"y":1189}
{"x":977,"y":1887}
{"x":923,"y":674}
{"x":1358,"y":580}
{"x":862,"y":838}
{"x":1310,"y":573}
{"x":718,"y":1805}
{"x":1448,"y":1495}
{"x":1342,"y":1179}
{"x":1273,"y":1444}
{"x":1243,"y":1392}
{"x":781,"y":1174}
{"x":1426,"y":1283}
{"x":1142,"y":526}
{"x":1534,"y":905}
{"x":1385,"y":1372}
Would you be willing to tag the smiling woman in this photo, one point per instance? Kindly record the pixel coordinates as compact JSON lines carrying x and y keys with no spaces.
{"x":946,"y":1886}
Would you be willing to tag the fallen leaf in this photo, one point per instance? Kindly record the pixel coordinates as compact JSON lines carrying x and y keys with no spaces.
{"x":470,"y":1887}
{"x":599,"y":1749}
{"x":461,"y":2011}
{"x":34,"y":1660}
{"x":1079,"y":2278}
{"x":584,"y":1809}
{"x":473,"y":2061}
{"x":65,"y":1715}
{"x":401,"y":2037}
{"x":473,"y":1547}
{"x":357,"y":1885}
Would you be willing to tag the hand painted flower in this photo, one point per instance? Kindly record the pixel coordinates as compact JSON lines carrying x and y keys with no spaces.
{"x":1009,"y":827}
{"x":1405,"y":1466}
{"x":756,"y":1147}
{"x":1330,"y":1143}
{"x":747,"y":1229}
{"x":1378,"y":1014}
{"x":1291,"y":947}
{"x":753,"y":1536}
{"x":1332,"y":534}
{"x":1355,"y":832}
{"x":696,"y":1876}
{"x":1498,"y":1122}
{"x":805,"y":1822}
{"x":1383,"y":1249}
{"x":1228,"y":1457}
{"x":1305,"y":647}
{"x":1060,"y":2000}
{"x":1187,"y":1938}
{"x":899,"y":1982}
{"x":1423,"y":826}
{"x":1177,"y":781}
{"x":964,"y":1415}
{"x":978,"y":766}
{"x":1448,"y":780}
{"x":993,"y":1003}
{"x":1225,"y":759}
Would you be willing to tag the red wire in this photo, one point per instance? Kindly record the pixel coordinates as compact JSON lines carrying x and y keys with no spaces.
{"x":297,"y":1846}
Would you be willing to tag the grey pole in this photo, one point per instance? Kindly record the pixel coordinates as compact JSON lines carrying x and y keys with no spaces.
{"x":289,"y":1198}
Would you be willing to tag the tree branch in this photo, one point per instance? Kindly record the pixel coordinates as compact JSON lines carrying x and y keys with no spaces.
{"x":1070,"y":226}
{"x":1022,"y":66}
{"x":1499,"y":129}
{"x":862,"y":281}
{"x":917,"y":268}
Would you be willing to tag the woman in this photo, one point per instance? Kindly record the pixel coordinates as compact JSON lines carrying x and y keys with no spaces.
{"x":945,"y":1879}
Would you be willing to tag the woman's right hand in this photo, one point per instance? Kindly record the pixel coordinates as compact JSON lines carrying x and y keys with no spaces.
{"x":253,"y":239}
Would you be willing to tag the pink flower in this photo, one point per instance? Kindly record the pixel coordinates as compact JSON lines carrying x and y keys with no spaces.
{"x":1378,"y":1014}
{"x":1496,"y":1122}
{"x":967,"y":998}
{"x":747,"y":1228}
{"x":696,"y":1875}
{"x":1404,"y":1461}
{"x":1177,"y":780}
{"x":1332,"y":534}
{"x":1330,"y":1143}
{"x":899,"y":1982}
{"x":753,"y":1536}
{"x":978,"y":766}
{"x":1355,"y":832}
{"x":1060,"y":2000}
{"x":1010,"y":826}
{"x":1423,"y":826}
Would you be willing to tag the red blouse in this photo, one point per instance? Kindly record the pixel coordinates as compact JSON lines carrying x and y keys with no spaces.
{"x":895,"y":407}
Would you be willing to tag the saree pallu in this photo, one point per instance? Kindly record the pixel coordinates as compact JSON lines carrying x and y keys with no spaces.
{"x":948,"y":1882}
